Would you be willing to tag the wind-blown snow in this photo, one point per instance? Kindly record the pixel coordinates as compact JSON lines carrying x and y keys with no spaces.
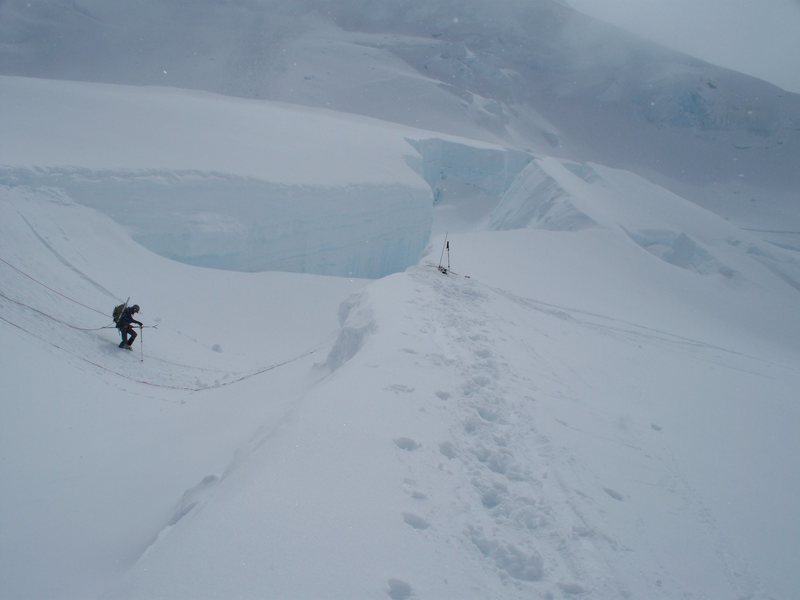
{"x":597,"y":400}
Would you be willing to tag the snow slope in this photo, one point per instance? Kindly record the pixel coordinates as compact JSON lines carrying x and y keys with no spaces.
{"x":484,"y":444}
{"x":96,"y":445}
{"x":572,"y":419}
{"x":598,"y":401}
{"x":476,"y":437}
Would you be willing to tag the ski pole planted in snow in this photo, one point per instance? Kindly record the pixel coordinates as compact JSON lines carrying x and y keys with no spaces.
{"x":441,"y":256}
{"x":447,"y":270}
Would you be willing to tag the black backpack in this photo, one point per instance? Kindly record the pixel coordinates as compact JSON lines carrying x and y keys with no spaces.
{"x":118,"y":312}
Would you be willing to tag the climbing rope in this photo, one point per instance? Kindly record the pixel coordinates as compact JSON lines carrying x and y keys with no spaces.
{"x":44,"y":285}
{"x":243,"y":377}
{"x":200,"y":388}
{"x":56,"y":319}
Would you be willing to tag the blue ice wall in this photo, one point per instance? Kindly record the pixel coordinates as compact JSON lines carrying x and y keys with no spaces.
{"x":228,"y":222}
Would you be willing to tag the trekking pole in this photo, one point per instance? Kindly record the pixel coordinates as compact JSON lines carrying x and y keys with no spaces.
{"x":141,"y":343}
{"x":441,"y":256}
{"x":445,"y":245}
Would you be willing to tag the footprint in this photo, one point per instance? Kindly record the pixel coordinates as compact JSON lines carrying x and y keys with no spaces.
{"x":614,"y":494}
{"x":399,"y":590}
{"x":399,"y":388}
{"x":519,"y":563}
{"x":407,"y":444}
{"x":448,"y":450}
{"x":415,"y":521}
{"x":572,"y":588}
{"x":487,"y":414}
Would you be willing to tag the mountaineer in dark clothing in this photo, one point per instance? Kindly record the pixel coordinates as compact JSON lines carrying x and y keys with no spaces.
{"x":125,"y":326}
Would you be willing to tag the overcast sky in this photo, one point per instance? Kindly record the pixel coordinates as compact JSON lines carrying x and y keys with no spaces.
{"x":757,"y":37}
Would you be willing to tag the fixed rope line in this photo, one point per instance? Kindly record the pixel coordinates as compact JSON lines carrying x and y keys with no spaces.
{"x":104,"y":313}
{"x":164,"y":385}
{"x":112,"y":326}
{"x":44,"y":285}
{"x":51,"y":317}
{"x":94,"y":364}
{"x":263,"y":370}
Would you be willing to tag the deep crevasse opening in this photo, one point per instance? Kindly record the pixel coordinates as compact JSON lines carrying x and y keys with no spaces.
{"x":225,"y":221}
{"x":234,"y":223}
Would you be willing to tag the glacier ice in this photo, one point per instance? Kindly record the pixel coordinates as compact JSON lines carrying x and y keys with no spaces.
{"x":236,"y":223}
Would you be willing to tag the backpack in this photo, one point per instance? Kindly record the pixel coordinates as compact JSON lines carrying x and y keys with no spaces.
{"x":118,"y":312}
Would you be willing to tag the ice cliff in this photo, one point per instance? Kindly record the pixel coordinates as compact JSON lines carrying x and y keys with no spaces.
{"x":266,"y":194}
{"x":258,"y":192}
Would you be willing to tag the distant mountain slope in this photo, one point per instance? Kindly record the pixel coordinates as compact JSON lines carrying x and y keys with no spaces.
{"x":531,"y":74}
{"x":754,"y":38}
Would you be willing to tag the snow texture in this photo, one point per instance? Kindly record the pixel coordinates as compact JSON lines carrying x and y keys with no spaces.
{"x":596,"y":400}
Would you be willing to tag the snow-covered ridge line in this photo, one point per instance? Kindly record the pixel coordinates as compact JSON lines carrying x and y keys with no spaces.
{"x":101,"y":126}
{"x":558,"y":195}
